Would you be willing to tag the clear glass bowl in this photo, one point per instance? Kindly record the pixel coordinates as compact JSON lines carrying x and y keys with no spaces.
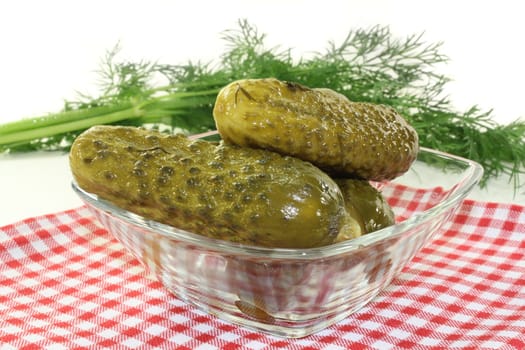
{"x":296,"y":292}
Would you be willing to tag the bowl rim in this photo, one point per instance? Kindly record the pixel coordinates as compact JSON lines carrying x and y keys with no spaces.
{"x":471,"y":177}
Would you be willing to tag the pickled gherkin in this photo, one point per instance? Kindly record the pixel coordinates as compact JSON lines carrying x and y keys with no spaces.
{"x":366,"y":206}
{"x":344,"y":138}
{"x":222,"y":191}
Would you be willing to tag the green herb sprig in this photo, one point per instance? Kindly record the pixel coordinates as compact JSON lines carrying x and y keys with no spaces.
{"x":369,"y":65}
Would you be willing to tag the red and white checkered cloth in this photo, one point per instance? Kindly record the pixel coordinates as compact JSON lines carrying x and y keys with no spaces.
{"x":66,"y":283}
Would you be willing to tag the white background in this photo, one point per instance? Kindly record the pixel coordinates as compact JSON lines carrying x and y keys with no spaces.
{"x":51,"y":49}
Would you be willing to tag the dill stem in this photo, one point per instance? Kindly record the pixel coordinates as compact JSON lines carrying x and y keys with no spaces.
{"x":178,"y":100}
{"x":67,"y":126}
{"x":68,"y":121}
{"x":55,"y":119}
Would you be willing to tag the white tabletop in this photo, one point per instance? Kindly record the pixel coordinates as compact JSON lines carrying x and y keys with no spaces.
{"x":51,"y":50}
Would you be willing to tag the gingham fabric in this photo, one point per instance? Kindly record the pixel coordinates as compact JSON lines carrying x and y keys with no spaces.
{"x":66,"y":283}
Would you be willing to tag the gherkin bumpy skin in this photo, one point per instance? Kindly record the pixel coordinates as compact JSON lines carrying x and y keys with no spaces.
{"x":250,"y":196}
{"x":344,"y":138}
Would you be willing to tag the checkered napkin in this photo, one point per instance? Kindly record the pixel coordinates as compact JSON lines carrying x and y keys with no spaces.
{"x":66,"y":283}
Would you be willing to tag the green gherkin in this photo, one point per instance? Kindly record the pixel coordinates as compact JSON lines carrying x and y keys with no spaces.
{"x":344,"y":138}
{"x":251,"y":196}
{"x":366,"y":205}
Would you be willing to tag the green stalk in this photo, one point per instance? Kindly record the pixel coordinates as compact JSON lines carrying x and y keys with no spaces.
{"x":68,"y":121}
{"x":178,"y":100}
{"x":80,"y":124}
{"x":27,"y":124}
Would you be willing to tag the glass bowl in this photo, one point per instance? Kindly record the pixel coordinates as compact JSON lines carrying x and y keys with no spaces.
{"x":296,"y":292}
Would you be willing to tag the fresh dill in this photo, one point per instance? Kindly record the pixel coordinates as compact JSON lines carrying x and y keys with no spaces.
{"x":368,"y":65}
